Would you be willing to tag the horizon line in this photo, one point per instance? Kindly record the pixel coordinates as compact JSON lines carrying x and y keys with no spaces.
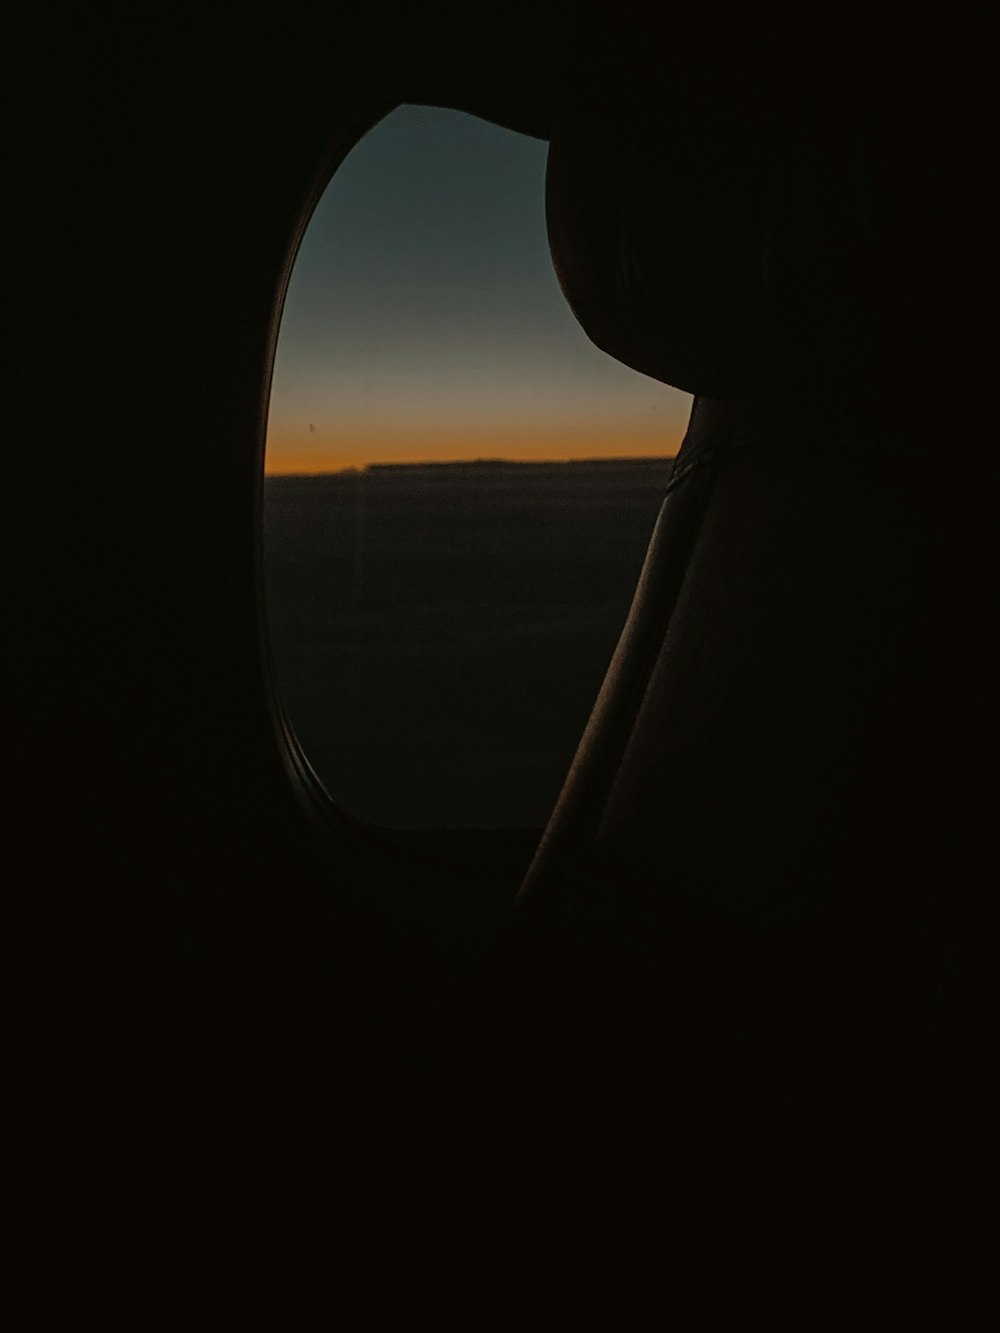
{"x":484,"y":462}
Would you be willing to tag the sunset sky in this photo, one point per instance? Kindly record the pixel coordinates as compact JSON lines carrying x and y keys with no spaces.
{"x":424,"y":320}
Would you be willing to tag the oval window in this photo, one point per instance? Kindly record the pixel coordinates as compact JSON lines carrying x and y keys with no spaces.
{"x":459,"y":486}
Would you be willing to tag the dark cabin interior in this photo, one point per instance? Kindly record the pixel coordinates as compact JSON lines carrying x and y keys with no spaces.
{"x":772,"y":848}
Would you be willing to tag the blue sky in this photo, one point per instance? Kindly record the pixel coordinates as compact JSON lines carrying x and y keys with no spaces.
{"x":424,"y":319}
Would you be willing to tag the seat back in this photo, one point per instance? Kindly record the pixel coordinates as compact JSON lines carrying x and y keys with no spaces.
{"x":770,"y":814}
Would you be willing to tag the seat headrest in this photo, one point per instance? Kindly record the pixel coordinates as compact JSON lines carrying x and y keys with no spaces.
{"x":710,"y":210}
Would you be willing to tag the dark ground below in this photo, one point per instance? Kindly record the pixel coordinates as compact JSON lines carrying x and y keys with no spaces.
{"x":440,"y":631}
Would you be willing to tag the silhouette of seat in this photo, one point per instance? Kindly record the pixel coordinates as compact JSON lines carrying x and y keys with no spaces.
{"x":753,"y":825}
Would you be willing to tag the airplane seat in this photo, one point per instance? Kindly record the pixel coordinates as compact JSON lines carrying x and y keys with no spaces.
{"x":754,"y":832}
{"x":762,"y":770}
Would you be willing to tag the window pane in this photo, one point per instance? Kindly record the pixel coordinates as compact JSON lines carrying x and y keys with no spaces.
{"x":460,"y":487}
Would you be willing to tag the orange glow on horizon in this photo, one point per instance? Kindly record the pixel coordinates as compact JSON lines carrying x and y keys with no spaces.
{"x":297,"y":452}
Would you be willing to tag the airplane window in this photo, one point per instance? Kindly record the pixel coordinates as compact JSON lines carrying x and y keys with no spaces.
{"x":459,"y":486}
